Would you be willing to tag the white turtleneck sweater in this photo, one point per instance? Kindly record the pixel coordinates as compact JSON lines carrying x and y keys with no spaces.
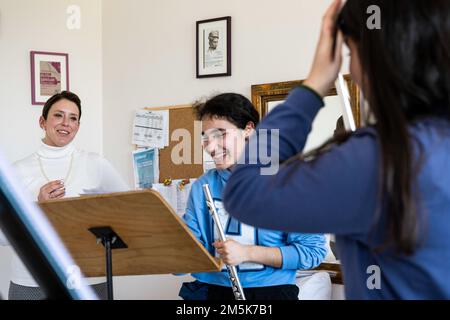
{"x":86,"y":172}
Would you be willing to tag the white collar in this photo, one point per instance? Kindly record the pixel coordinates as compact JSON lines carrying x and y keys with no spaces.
{"x":48,"y":152}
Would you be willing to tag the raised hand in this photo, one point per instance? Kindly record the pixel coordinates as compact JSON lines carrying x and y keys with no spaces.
{"x":326,"y":65}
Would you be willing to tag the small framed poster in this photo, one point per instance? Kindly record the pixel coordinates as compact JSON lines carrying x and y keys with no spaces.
{"x":49,"y":75}
{"x":214,"y":47}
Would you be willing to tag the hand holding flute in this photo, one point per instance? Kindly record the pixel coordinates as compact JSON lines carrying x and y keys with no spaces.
{"x":232,"y":271}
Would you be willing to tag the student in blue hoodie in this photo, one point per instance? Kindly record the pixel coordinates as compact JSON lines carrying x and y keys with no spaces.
{"x":266,"y":260}
{"x":385,"y":189}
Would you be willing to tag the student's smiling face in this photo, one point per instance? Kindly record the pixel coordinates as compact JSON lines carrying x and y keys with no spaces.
{"x":62,"y":123}
{"x":223,"y":141}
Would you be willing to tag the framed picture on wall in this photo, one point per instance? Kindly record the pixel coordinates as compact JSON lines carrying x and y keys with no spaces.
{"x":49,"y":75}
{"x":214,"y":47}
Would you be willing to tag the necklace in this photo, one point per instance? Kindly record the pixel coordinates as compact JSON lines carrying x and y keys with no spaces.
{"x":68,"y":171}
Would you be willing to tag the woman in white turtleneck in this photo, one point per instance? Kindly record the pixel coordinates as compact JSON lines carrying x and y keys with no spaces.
{"x":57,"y":170}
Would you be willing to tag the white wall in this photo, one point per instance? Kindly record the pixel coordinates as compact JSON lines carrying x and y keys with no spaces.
{"x":149,"y":55}
{"x":27,"y":25}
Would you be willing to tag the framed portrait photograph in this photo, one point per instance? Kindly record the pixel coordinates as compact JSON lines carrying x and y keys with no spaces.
{"x":49,"y":75}
{"x":214,"y":47}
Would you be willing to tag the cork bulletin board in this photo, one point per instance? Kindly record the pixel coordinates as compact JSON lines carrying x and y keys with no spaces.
{"x":180,"y":117}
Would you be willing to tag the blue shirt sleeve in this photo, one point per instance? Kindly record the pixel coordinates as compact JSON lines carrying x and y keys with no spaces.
{"x":303,"y":251}
{"x":194,"y":212}
{"x":329,"y":194}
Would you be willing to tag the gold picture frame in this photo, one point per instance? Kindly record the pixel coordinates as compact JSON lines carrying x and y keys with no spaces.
{"x":263,"y":94}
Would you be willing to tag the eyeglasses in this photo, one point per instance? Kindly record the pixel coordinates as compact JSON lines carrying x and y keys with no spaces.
{"x":214,"y":134}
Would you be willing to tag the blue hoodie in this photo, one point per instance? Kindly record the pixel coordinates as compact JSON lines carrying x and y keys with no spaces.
{"x":338,"y":193}
{"x":299,"y":251}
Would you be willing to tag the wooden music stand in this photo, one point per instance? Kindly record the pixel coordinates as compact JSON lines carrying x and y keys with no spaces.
{"x":149,"y":236}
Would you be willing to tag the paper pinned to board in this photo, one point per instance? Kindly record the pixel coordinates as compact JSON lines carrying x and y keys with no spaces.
{"x":176,"y":194}
{"x":169,"y":193}
{"x":344,"y":95}
{"x":151,"y":128}
{"x":145,"y":167}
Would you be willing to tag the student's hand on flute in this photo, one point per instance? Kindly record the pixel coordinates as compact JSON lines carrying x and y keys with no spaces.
{"x":231,"y":252}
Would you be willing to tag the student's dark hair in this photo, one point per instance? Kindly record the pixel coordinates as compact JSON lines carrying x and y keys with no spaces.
{"x":64,"y":95}
{"x":233,"y":107}
{"x":406,"y":77}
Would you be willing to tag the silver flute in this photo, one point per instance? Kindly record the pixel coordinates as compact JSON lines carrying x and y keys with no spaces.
{"x":232,"y":272}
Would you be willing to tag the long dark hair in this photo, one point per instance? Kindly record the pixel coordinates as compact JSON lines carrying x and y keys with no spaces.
{"x":406,"y":77}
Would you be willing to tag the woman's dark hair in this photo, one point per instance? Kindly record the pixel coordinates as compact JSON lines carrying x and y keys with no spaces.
{"x":64,"y":95}
{"x":340,"y":126}
{"x":233,"y":107}
{"x":405,"y":77}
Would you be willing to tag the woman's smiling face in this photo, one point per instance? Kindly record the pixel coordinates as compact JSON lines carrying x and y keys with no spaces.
{"x":62,"y":123}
